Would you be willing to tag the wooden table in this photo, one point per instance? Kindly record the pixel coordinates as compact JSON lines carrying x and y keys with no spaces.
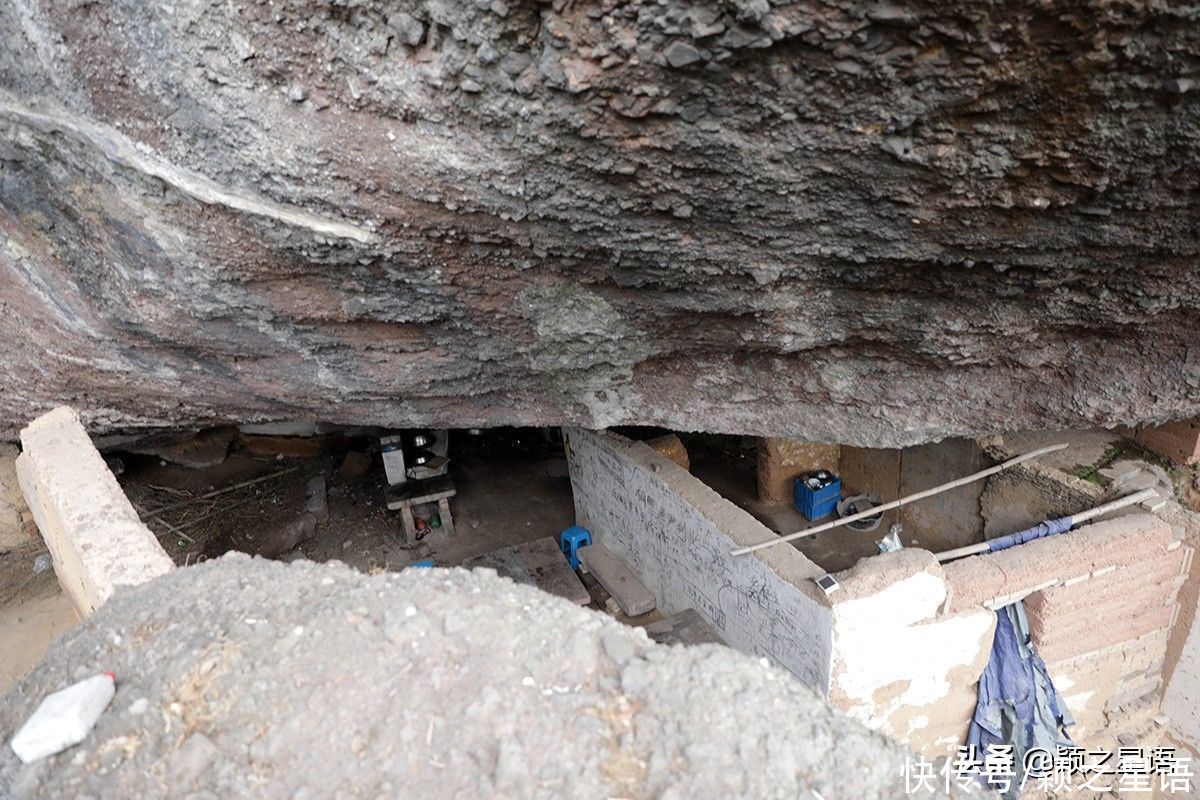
{"x":437,"y":490}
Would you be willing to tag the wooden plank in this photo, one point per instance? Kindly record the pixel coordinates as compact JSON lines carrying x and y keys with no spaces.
{"x":617,"y":579}
{"x":416,"y":493}
{"x":538,"y":563}
{"x":686,"y":628}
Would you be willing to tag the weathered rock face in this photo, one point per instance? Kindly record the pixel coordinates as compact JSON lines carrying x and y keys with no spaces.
{"x":877,"y":224}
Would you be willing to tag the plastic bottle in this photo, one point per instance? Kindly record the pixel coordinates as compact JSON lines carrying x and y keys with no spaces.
{"x":64,"y":718}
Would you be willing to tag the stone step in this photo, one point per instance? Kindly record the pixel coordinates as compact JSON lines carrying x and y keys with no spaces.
{"x":617,"y":579}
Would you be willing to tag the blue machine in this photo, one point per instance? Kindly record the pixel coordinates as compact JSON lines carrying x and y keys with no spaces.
{"x":817,"y":494}
{"x":570,"y":540}
{"x":427,"y":562}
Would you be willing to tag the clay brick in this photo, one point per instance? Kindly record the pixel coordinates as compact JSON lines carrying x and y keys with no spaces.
{"x":974,"y":582}
{"x":1110,"y":544}
{"x":1176,"y":441}
{"x":1099,"y":634}
{"x":780,"y":461}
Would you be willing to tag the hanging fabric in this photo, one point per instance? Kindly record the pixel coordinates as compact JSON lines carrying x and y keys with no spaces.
{"x":1018,"y":704}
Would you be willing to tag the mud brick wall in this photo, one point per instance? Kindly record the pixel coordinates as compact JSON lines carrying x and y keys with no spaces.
{"x":911,"y":636}
{"x":1034,"y":491}
{"x":1181,"y":700}
{"x":1179,"y":441}
{"x":781,"y":461}
{"x":1101,"y":601}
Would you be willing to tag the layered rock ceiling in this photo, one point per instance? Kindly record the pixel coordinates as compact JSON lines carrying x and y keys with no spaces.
{"x":873,"y":223}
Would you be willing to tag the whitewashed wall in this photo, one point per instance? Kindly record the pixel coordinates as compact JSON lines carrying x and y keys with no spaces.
{"x":676,"y":533}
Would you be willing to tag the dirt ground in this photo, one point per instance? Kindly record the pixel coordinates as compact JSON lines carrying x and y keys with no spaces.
{"x":512,"y":487}
{"x":33,"y":611}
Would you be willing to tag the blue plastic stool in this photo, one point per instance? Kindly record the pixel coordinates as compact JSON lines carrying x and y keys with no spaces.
{"x":426,"y":563}
{"x":570,"y":540}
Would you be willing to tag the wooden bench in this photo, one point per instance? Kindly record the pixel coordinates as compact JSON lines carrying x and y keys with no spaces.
{"x":412,"y":494}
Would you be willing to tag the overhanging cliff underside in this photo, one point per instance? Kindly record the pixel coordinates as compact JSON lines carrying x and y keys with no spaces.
{"x":870,"y":223}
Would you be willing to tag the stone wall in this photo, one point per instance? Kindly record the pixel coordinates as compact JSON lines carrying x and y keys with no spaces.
{"x":676,"y":534}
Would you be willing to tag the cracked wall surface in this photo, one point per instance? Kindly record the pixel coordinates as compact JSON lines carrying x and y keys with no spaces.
{"x":877,"y":224}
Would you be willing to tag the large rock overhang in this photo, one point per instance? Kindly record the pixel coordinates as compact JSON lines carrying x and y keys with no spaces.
{"x":878,"y":225}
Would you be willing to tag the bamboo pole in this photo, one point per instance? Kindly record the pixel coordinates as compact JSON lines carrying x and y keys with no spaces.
{"x":1076,"y":519}
{"x":870,"y":512}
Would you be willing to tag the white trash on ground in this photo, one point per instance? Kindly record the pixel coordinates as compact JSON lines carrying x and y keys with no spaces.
{"x":64,"y":718}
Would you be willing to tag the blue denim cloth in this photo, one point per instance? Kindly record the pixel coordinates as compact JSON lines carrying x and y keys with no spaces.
{"x":1050,"y":527}
{"x":1018,"y":704}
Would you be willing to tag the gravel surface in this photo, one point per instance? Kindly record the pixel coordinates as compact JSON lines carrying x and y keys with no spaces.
{"x":249,"y":678}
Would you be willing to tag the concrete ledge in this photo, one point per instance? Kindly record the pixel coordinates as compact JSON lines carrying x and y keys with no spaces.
{"x":94,"y":536}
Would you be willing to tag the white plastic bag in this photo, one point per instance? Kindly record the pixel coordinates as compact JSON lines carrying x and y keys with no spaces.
{"x":64,"y":718}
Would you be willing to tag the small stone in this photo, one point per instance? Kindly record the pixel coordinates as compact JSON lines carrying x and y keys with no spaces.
{"x":1179,"y":85}
{"x":617,"y":646}
{"x":515,"y":63}
{"x":679,"y":54}
{"x":754,"y":11}
{"x":317,"y":502}
{"x":297,"y":93}
{"x":191,"y":759}
{"x":410,"y":30}
{"x":487,"y":54}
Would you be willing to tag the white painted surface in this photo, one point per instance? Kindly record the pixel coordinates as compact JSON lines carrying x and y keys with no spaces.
{"x":675,"y":533}
{"x":894,"y":638}
{"x":1181,"y":702}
